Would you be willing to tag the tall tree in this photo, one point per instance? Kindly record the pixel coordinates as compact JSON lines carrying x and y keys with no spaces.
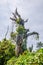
{"x":21,"y":34}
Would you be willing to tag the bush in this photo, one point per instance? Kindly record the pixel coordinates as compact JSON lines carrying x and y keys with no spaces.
{"x":7,"y":50}
{"x":7,"y":55}
{"x":27,"y":58}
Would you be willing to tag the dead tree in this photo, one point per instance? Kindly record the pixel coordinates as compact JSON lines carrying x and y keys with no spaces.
{"x":21,"y":37}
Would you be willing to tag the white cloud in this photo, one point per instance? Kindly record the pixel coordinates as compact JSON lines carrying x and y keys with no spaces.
{"x":2,"y":2}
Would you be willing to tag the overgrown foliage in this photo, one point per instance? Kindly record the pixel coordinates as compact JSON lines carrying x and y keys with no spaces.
{"x":6,"y":51}
{"x":7,"y":55}
{"x":28,"y":58}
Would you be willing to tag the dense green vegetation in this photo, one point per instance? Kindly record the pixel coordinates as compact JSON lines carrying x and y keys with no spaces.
{"x":6,"y":51}
{"x":7,"y":55}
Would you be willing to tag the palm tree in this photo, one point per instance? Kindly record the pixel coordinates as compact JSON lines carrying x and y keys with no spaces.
{"x":39,"y":45}
{"x":22,"y":33}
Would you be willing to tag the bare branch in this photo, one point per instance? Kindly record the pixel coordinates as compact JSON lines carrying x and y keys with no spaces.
{"x":7,"y":32}
{"x":31,"y":48}
{"x":17,"y":13}
{"x":27,"y":30}
{"x":32,"y":33}
{"x":13,"y":19}
{"x":26,"y":20}
{"x":14,"y":15}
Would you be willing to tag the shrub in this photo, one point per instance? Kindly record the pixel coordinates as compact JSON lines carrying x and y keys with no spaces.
{"x":7,"y":50}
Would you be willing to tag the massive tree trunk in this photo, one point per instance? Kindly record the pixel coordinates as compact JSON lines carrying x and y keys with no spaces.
{"x":19,"y":42}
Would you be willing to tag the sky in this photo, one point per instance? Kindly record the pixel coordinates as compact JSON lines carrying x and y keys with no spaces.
{"x":28,"y":9}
